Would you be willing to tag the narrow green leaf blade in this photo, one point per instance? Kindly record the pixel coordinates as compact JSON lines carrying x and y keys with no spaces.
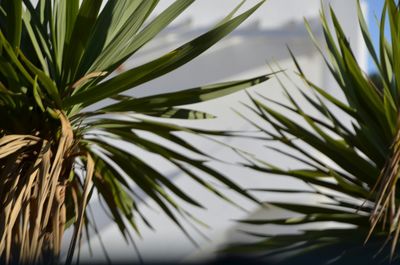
{"x":158,"y":67}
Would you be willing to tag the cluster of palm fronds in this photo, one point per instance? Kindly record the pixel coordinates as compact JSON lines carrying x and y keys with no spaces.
{"x":56,"y":59}
{"x":349,"y":150}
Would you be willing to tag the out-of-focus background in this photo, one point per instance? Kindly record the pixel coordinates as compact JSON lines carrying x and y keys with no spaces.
{"x":257,"y":47}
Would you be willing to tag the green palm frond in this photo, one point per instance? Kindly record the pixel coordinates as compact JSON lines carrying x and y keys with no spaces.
{"x":349,"y":152}
{"x":57,"y":58}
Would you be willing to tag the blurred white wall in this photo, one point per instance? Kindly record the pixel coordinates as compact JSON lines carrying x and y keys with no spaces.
{"x":245,"y":53}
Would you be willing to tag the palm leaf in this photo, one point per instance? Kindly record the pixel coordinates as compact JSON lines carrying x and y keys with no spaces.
{"x":56,"y":58}
{"x":360,"y":179}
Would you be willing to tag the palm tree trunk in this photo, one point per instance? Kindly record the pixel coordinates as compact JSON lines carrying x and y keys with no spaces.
{"x":387,"y":209}
{"x":33,"y":179}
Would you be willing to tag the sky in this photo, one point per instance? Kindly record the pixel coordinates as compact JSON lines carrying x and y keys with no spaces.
{"x":375,"y":8}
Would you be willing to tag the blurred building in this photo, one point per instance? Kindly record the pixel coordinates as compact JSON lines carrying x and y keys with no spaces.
{"x":257,"y":45}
